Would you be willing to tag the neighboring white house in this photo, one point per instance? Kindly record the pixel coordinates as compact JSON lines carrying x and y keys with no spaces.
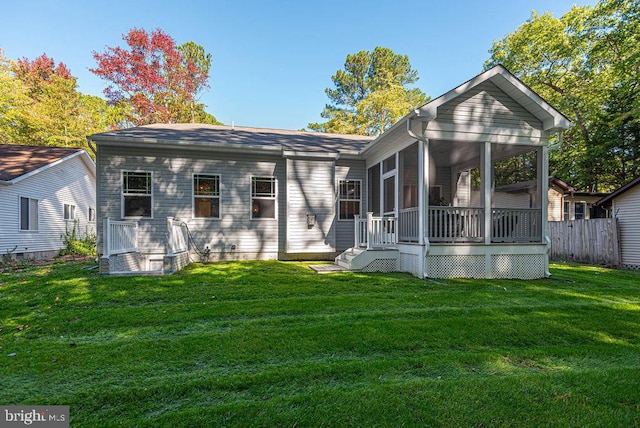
{"x":44,"y":192}
{"x":456,"y":188}
{"x":624,"y":204}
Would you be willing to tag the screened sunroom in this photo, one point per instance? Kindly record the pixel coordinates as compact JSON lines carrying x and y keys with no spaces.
{"x":457,"y":189}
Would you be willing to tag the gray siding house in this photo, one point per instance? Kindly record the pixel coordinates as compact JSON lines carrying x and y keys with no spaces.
{"x":433,"y":195}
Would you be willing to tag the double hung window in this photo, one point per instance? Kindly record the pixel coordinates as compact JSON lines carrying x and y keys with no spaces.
{"x":263,"y":197}
{"x":206,"y":196}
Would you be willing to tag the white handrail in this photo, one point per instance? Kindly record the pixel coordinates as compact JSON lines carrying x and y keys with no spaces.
{"x":120,"y":237}
{"x":375,"y":232}
{"x":177,"y":239}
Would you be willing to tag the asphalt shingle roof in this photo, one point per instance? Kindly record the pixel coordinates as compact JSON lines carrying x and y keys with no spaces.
{"x":16,"y":160}
{"x":200,"y":134}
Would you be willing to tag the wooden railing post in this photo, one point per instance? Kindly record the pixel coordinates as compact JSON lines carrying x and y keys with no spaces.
{"x":106,"y":238}
{"x":370,"y":230}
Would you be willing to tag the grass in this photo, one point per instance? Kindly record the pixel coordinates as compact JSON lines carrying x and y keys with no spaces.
{"x":271,"y":343}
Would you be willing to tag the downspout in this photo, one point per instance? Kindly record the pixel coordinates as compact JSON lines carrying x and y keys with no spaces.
{"x":92,"y":147}
{"x":559,"y":143}
{"x":425,"y":173}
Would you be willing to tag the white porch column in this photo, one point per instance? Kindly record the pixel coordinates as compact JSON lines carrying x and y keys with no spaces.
{"x":543,"y":186}
{"x":485,"y":196}
{"x":423,"y":190}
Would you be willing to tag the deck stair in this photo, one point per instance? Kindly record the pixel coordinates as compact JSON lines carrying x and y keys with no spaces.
{"x":372,"y":260}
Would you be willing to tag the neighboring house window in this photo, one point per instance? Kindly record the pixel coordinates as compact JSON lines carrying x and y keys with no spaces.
{"x":69,"y":211}
{"x":206,"y":196}
{"x":349,"y":196}
{"x":92,"y":214}
{"x":28,"y":214}
{"x":580,"y":210}
{"x":136,"y":194}
{"x":567,"y":210}
{"x":263,"y":197}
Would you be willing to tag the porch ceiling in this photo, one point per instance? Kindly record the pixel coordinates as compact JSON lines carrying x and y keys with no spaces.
{"x":447,"y":153}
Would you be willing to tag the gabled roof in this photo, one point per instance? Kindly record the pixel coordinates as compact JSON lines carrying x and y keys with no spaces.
{"x":18,"y":162}
{"x":235,"y":137}
{"x":611,"y":196}
{"x":551,"y":118}
{"x":512,"y":86}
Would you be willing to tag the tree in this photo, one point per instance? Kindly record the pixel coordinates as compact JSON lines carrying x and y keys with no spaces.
{"x":40,"y":105}
{"x":371,"y":93}
{"x":196,"y":59}
{"x":157,"y":80}
{"x":584,"y":63}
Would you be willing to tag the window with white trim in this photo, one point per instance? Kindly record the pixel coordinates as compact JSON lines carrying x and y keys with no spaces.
{"x":349,"y":198}
{"x":69,"y":212}
{"x":206,"y":196}
{"x":567,"y":210}
{"x":263,"y":197}
{"x":92,"y":214}
{"x":136,"y":194}
{"x":28,"y":214}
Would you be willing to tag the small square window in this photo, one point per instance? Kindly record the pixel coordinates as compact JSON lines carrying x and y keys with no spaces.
{"x":69,"y":212}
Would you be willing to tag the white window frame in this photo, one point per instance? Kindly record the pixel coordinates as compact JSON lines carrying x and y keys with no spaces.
{"x":69,"y":212}
{"x":30,"y":220}
{"x":91,"y":215}
{"x":194,"y":196}
{"x":341,"y":199}
{"x":273,"y":195}
{"x":123,"y":194}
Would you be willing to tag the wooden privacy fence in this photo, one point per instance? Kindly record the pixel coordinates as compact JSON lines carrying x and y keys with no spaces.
{"x":588,"y":241}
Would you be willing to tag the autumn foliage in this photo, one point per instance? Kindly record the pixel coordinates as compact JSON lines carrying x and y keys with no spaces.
{"x":152,"y":76}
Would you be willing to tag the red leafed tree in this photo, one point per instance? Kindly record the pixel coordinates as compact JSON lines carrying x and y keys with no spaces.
{"x":151,"y":76}
{"x":40,"y":72}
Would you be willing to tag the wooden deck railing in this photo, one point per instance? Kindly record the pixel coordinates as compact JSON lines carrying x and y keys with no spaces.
{"x":516,"y":225}
{"x":409,"y":225}
{"x":375,"y":232}
{"x":177,"y":236}
{"x":120,"y":237}
{"x":455,"y":224}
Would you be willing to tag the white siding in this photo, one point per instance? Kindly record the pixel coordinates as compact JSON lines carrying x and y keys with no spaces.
{"x":310,"y":190}
{"x":70,"y":182}
{"x":627,"y":209}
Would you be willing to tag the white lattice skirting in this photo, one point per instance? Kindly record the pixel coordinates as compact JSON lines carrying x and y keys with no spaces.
{"x":520,"y":266}
{"x":459,"y":266}
{"x":382,"y":265}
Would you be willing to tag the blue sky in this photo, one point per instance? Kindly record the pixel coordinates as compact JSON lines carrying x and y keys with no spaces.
{"x":272,"y":60}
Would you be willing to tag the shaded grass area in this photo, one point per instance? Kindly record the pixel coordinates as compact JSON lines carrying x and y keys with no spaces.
{"x":272,"y":343}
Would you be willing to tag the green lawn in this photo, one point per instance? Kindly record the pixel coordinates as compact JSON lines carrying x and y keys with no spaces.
{"x":271,"y":343}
